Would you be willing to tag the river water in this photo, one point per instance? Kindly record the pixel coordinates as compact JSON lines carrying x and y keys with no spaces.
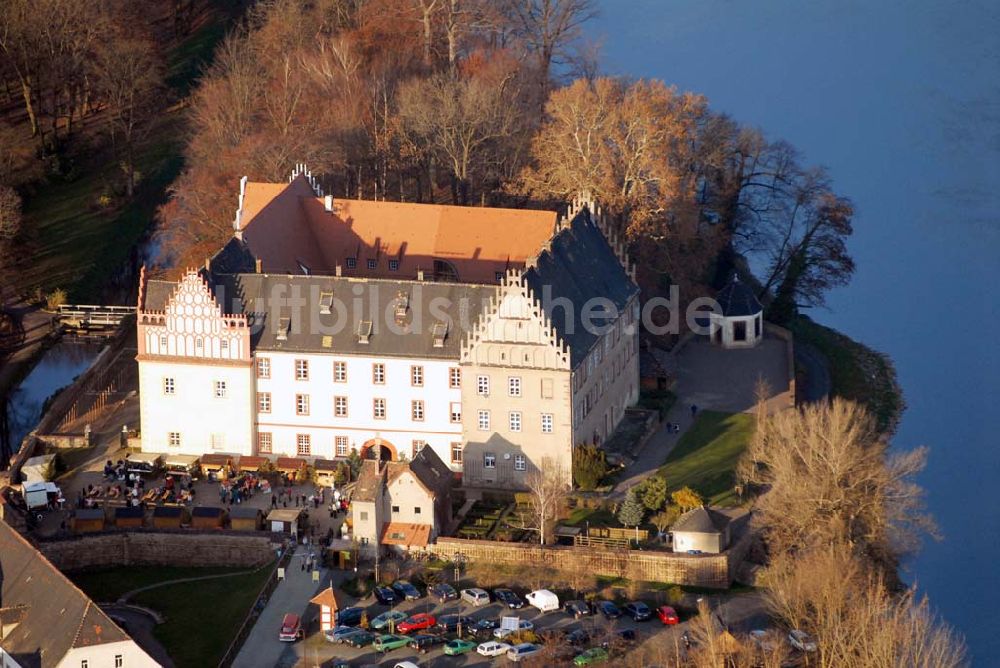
{"x":61,"y":364}
{"x":901,"y":101}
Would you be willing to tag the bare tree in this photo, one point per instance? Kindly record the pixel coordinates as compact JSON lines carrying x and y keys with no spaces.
{"x":832,"y":481}
{"x":549,"y":491}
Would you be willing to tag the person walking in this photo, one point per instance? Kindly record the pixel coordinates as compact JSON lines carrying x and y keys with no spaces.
{"x":694,"y":411}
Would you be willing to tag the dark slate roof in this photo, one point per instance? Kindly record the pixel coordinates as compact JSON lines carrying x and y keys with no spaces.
{"x":129,"y":511}
{"x":701,"y":520}
{"x":737,"y":299}
{"x":157,"y":294}
{"x":327,"y":464}
{"x":167,"y":511}
{"x":206,"y":511}
{"x":234,"y":258}
{"x":55,"y":616}
{"x":244,"y":512}
{"x":579,"y":265}
{"x":89,"y":514}
{"x":431,"y":471}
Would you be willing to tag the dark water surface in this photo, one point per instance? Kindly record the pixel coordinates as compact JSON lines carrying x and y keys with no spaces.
{"x":901,"y":101}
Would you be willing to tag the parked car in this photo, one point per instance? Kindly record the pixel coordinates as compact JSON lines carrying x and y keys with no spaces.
{"x":579,"y":637}
{"x":591,"y":656}
{"x":619,"y":637}
{"x":449,"y":623}
{"x":443,"y":592}
{"x":476,"y":596}
{"x":801,"y":641}
{"x":337,"y":633}
{"x":390,"y":616}
{"x":493,"y":648}
{"x":521,"y":652}
{"x":544,"y":600}
{"x":508,"y":598}
{"x":404,"y":589}
{"x":291,"y":628}
{"x":482,"y":628}
{"x":360,"y":639}
{"x":609,"y":610}
{"x":667,"y":615}
{"x":522,"y":625}
{"x":389,"y":642}
{"x":402,"y":664}
{"x":418,"y":622}
{"x":385,"y":595}
{"x":638,"y":611}
{"x":577,"y":609}
{"x":349,"y":616}
{"x":457,"y":647}
{"x":424,"y":642}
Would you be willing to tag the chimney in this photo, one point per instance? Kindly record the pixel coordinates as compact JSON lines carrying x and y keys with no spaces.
{"x":420,"y":274}
{"x":208,"y":263}
{"x":328,"y":203}
{"x":339,"y":271}
{"x":257,"y":265}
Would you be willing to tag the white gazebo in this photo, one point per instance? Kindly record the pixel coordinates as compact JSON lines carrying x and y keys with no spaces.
{"x":739,"y":320}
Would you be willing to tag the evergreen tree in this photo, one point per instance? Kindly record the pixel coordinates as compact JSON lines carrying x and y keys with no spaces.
{"x":631,"y":512}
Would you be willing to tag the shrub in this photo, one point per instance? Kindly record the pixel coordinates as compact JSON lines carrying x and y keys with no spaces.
{"x":55,"y":299}
{"x":686,"y":498}
{"x":589,"y":466}
{"x":654,"y":493}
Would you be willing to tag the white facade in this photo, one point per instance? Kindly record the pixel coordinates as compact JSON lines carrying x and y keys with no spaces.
{"x":195,"y":375}
{"x":744,"y":331}
{"x":306,"y":394}
{"x":126,"y":654}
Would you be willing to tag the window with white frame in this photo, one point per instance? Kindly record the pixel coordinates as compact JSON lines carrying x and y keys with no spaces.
{"x":372,"y":263}
{"x":456,"y":453}
{"x":418,"y":445}
{"x":301,"y":369}
{"x":455,"y":411}
{"x":84,"y":663}
{"x":163,"y":343}
{"x":514,"y":420}
{"x":303,"y":445}
{"x":119,"y":661}
{"x":263,"y":367}
{"x":519,"y":463}
{"x":483,"y":385}
{"x":393,"y":265}
{"x":264,"y":402}
{"x":498,"y":276}
{"x":340,"y":445}
{"x":174,"y":439}
{"x":265,"y":443}
{"x":378,"y":409}
{"x":514,"y":386}
{"x":489,"y":460}
{"x":340,"y":372}
{"x":220,"y":389}
{"x":378,"y":373}
{"x":340,"y":407}
{"x":218,"y":441}
{"x":546,"y":423}
{"x":224,"y":345}
{"x":302,"y":404}
{"x":352,"y":262}
{"x":168,"y":386}
{"x":417,"y":409}
{"x":455,"y":378}
{"x":484,"y":420}
{"x":417,"y":376}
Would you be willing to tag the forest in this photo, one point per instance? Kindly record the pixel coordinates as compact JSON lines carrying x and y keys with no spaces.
{"x":468,"y":102}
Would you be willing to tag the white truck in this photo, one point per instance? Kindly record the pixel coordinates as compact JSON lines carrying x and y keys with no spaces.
{"x":39,"y":495}
{"x":544,"y":600}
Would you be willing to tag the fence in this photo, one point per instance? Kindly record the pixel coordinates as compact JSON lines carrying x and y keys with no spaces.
{"x":251,"y":619}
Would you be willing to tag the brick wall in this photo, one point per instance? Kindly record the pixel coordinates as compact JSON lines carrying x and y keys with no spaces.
{"x":150,"y":548}
{"x":711,"y":571}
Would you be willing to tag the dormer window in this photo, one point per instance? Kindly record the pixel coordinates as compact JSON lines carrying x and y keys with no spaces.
{"x":352,"y":262}
{"x":393,"y":265}
{"x":402,"y":304}
{"x":364,"y":331}
{"x":440,"y":333}
{"x":325,"y":302}
{"x":499,"y":276}
{"x":372,"y":264}
{"x":284,"y":324}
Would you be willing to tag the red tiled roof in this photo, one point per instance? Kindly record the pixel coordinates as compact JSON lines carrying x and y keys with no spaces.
{"x":285,"y":224}
{"x":406,"y":535}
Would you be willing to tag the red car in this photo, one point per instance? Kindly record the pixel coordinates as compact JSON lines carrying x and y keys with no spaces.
{"x":667,"y":615}
{"x":417,"y":622}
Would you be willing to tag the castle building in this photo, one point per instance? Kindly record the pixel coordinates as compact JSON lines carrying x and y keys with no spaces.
{"x":499,"y":338}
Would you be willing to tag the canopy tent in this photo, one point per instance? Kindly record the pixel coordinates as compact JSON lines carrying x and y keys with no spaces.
{"x":250,"y":464}
{"x":290,"y":464}
{"x":188,"y":464}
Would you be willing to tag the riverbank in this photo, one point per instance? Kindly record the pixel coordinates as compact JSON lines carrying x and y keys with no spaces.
{"x":857,"y":372}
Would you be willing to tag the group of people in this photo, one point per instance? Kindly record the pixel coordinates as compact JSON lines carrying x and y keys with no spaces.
{"x":233,"y":491}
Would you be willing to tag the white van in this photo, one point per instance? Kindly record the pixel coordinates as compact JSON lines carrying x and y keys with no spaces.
{"x":544,"y":600}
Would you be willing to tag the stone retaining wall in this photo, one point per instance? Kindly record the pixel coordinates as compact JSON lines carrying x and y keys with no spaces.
{"x":158,"y":548}
{"x":710,"y":570}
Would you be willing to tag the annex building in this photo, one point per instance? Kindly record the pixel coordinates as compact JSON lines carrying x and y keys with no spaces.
{"x":499,"y":338}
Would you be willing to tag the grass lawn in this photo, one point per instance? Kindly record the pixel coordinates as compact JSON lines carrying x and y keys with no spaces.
{"x":857,"y":372}
{"x":705,"y":458}
{"x":597,"y":517}
{"x":202,"y":618}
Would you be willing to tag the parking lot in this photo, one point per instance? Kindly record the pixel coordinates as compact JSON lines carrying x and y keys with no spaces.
{"x":316,"y":650}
